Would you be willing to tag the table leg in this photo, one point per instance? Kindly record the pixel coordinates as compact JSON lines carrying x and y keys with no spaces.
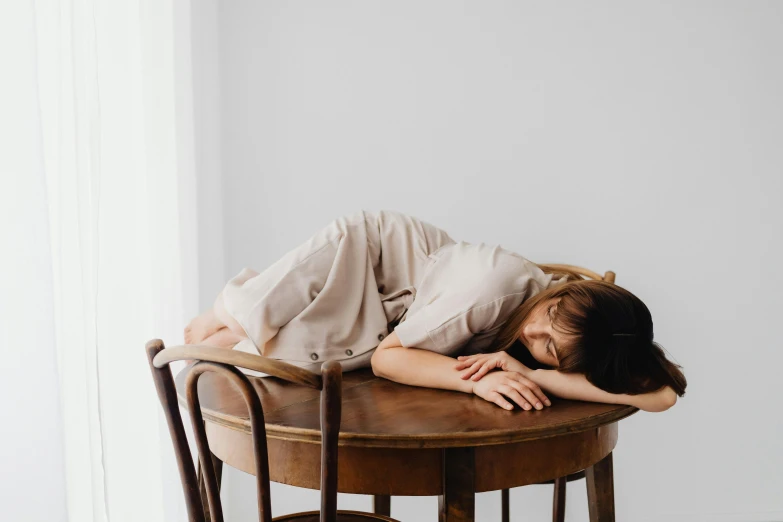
{"x":458,"y":501}
{"x":381,"y":505}
{"x":505,"y":509}
{"x":600,"y":490}
{"x":558,"y":500}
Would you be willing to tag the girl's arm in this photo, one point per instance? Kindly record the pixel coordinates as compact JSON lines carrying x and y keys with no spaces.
{"x":576,"y":386}
{"x":416,"y":367}
{"x":565,"y":385}
{"x":428,"y":369}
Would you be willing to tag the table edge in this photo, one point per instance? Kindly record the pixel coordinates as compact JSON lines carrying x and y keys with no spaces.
{"x":369,"y":440}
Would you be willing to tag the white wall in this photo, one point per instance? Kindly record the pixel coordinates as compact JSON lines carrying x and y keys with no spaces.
{"x":644,"y":139}
{"x":206,"y":124}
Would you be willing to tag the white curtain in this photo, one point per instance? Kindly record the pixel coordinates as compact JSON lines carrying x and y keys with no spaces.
{"x":113,"y":91}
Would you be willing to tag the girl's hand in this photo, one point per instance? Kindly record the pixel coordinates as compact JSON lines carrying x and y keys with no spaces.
{"x":497,"y":386}
{"x":480,"y":364}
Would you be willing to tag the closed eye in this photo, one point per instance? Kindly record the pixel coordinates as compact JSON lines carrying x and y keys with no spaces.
{"x":551,"y":343}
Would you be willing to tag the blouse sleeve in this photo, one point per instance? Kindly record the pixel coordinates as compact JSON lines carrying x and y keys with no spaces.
{"x":439,"y":326}
{"x":446,"y":324}
{"x":454,"y":313}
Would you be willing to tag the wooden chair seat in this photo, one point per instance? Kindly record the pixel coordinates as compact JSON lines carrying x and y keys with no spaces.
{"x":342,"y":516}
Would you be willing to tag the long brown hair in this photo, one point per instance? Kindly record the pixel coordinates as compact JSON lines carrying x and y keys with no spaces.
{"x":610,"y":333}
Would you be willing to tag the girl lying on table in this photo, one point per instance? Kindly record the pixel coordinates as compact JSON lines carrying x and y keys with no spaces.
{"x":515,"y":329}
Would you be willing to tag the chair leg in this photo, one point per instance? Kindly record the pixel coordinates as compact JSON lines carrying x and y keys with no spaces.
{"x":202,"y":487}
{"x":381,"y":505}
{"x":505,"y":514}
{"x":558,"y":501}
{"x":600,"y":490}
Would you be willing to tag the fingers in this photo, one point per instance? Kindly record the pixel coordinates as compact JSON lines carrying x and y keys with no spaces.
{"x":470,"y":371}
{"x":515,"y":396}
{"x":528,"y":394}
{"x":499,"y":400}
{"x":486,"y":367}
{"x":468,"y":361}
{"x":536,"y":394}
{"x":506,"y":391}
{"x":465,"y":361}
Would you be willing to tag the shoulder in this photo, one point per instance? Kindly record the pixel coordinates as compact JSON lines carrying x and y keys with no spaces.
{"x":489,"y":272}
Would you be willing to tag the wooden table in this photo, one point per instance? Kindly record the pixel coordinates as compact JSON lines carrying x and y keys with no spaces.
{"x":403,"y":440}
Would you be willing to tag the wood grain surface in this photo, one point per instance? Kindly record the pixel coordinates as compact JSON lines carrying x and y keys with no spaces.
{"x":380,"y":413}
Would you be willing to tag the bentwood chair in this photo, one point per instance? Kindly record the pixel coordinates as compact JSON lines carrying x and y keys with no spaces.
{"x":226,"y":363}
{"x":558,"y":502}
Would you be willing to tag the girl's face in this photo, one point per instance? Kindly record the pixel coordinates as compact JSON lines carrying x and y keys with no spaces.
{"x":538,"y":336}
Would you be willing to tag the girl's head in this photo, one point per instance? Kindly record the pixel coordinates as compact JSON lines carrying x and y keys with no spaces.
{"x":595,"y":328}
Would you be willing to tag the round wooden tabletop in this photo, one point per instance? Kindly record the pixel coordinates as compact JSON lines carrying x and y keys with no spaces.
{"x":383,"y":414}
{"x":405,"y":440}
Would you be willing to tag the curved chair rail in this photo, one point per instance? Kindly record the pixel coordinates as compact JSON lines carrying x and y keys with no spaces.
{"x":608,"y":277}
{"x":248,"y":361}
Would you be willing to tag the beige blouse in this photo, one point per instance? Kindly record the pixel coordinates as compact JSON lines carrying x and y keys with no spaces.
{"x":338,"y":294}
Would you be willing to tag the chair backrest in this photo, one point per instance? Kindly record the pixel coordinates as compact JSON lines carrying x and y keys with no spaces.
{"x":226,"y":363}
{"x":608,"y":276}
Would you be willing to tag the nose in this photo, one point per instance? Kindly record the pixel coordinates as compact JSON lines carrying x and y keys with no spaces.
{"x":535,"y":330}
